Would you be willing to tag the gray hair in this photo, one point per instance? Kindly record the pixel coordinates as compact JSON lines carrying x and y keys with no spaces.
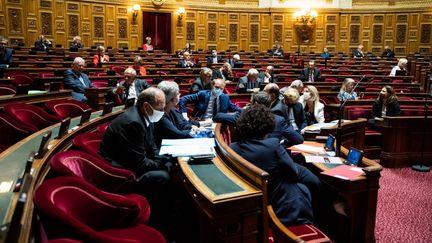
{"x":236,"y":56}
{"x":170,"y":89}
{"x":79,"y":60}
{"x":402,"y":61}
{"x":100,"y":48}
{"x":252,"y":71}
{"x":296,"y":84}
{"x":137,"y":59}
{"x":130,"y":71}
{"x":206,"y":71}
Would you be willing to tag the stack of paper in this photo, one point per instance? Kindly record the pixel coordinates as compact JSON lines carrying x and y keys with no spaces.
{"x":323,"y":159}
{"x":188,"y":147}
{"x":344,"y":172}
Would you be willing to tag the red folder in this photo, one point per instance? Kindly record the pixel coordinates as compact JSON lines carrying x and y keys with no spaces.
{"x":345,"y":172}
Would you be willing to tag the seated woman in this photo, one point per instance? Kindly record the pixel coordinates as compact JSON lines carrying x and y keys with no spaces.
{"x":172,"y":125}
{"x":289,"y":182}
{"x":385,"y":105}
{"x":313,"y":108}
{"x":139,"y":66}
{"x":294,"y":113}
{"x":346,"y":91}
{"x":148,"y":46}
{"x":100,"y":57}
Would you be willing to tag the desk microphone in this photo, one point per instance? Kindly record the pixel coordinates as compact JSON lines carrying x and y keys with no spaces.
{"x":339,"y":127}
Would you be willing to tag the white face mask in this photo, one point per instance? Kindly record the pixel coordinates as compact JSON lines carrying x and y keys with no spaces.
{"x":217,"y":91}
{"x":156,"y":116}
{"x":306,"y":96}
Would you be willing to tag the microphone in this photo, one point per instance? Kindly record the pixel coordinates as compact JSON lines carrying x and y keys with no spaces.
{"x":339,"y":127}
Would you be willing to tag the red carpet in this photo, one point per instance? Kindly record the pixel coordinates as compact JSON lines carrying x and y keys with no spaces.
{"x":404,"y":210}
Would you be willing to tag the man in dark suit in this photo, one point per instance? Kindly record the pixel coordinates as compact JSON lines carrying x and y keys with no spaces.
{"x":203,"y":81}
{"x":76,"y":80}
{"x":358,"y":53}
{"x":5,"y":53}
{"x":250,"y":81}
{"x":235,"y":61}
{"x":311,"y":73}
{"x":42,"y":43}
{"x":291,"y":185}
{"x":208,"y":102}
{"x":277,"y":50}
{"x":225,"y":72}
{"x":268,"y":75}
{"x":276,"y":105}
{"x":187,"y":61}
{"x":214,"y":58}
{"x":130,"y":87}
{"x":387,"y":53}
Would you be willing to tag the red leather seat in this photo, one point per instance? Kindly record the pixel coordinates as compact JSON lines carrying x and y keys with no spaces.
{"x":32,"y":116}
{"x":88,"y":142}
{"x":102,"y":128}
{"x":70,"y":207}
{"x":6,"y":89}
{"x":11,"y":131}
{"x":66,"y":108}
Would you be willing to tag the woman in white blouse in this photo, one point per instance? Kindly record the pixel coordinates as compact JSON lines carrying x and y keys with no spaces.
{"x":313,"y":108}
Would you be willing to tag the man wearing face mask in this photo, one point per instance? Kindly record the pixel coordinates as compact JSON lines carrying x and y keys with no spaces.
{"x":129,"y":143}
{"x":208,"y":102}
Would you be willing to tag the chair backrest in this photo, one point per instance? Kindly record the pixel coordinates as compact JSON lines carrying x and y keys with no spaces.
{"x":70,"y":206}
{"x":11,"y":131}
{"x":6,"y":89}
{"x":88,"y":142}
{"x":21,"y":79}
{"x":67,"y":108}
{"x":31,"y":115}
{"x":94,"y":170}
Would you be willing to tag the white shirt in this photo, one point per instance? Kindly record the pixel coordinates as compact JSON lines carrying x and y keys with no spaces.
{"x":393,"y":71}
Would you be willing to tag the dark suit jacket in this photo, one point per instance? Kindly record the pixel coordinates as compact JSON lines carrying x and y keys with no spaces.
{"x":299,"y":115}
{"x":140,"y":85}
{"x":41,"y":45}
{"x":305,"y":74}
{"x":279,"y":108}
{"x":357,"y":54}
{"x":71,"y":81}
{"x":128,"y":143}
{"x":172,"y":126}
{"x":244,"y":83}
{"x":6,"y":58}
{"x":182,"y":63}
{"x":217,"y":74}
{"x":210,"y":60}
{"x":290,"y":199}
{"x":272,"y":78}
{"x":276,"y":52}
{"x":201,"y":100}
{"x":392,"y":109}
{"x":198,"y":85}
{"x":234,"y":64}
{"x":387,"y":54}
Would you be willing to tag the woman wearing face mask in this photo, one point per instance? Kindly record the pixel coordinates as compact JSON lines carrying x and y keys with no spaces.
{"x":172,"y":125}
{"x":385,"y":105}
{"x":313,"y":108}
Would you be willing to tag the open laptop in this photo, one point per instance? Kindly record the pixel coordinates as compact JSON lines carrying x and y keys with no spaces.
{"x":354,"y":157}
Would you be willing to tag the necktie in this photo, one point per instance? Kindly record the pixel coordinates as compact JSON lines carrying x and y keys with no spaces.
{"x":126,"y":93}
{"x":311,"y":75}
{"x":215,"y":111}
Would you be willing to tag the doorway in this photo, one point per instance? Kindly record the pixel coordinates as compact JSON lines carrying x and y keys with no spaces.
{"x":158,"y":27}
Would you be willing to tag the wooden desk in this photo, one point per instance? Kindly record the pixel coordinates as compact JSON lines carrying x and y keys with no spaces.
{"x":229,"y":206}
{"x":35,"y":98}
{"x":96,"y":97}
{"x":405,"y":139}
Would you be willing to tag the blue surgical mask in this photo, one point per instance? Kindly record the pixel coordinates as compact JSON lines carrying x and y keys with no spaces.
{"x":217,"y":91}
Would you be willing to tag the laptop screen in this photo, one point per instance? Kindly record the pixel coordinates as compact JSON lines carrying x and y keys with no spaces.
{"x":354,"y":156}
{"x":329,"y":145}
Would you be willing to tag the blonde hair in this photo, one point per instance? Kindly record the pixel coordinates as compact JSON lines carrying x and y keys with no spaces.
{"x":148,"y":39}
{"x":346,"y":82}
{"x":100,"y":48}
{"x":314,"y":93}
{"x":137,"y":60}
{"x":291,"y":94}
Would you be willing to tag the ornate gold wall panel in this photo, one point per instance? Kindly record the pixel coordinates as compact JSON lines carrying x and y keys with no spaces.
{"x":230,"y":24}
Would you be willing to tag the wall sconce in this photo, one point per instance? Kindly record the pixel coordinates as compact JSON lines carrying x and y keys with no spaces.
{"x":304,"y":26}
{"x":180,"y":13}
{"x":136,"y":8}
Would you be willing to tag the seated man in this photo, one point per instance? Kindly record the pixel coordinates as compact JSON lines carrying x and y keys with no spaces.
{"x":76,"y":42}
{"x":276,"y":105}
{"x":187,"y":61}
{"x":5,"y":53}
{"x":128,"y":143}
{"x":235,"y":61}
{"x":325,"y":54}
{"x":268,"y":75}
{"x":42,"y":43}
{"x":207,"y":103}
{"x":225,"y":73}
{"x":387,"y":53}
{"x":214,"y":58}
{"x":358,"y":53}
{"x":131,"y":87}
{"x":277,"y":50}
{"x":311,"y":73}
{"x":76,"y":80}
{"x":173,"y":125}
{"x":203,"y":81}
{"x":250,"y":81}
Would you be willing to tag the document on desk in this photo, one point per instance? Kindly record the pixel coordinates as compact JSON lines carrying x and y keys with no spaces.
{"x":344,"y":172}
{"x":307,"y":149}
{"x":188,"y":147}
{"x":317,"y":127}
{"x":323,"y":159}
